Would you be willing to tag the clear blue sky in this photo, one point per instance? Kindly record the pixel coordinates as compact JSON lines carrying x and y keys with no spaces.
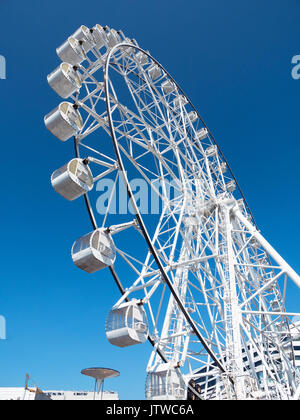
{"x":233,"y":59}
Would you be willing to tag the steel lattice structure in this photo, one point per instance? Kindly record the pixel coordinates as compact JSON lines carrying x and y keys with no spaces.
{"x":212,"y":288}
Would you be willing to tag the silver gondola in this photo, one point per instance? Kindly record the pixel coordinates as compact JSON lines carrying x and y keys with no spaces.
{"x":141,"y":58}
{"x":113,"y":38}
{"x":202,"y":134}
{"x":180,"y":100}
{"x":99,"y":36}
{"x":154,"y":71}
{"x":211,"y":151}
{"x":167,"y":87}
{"x":192,"y":116}
{"x":165,"y":383}
{"x":231,"y":186}
{"x":65,"y":80}
{"x":127,"y":325}
{"x":71,"y":51}
{"x":84,"y":35}
{"x":223,"y":167}
{"x":94,"y":251}
{"x":64,"y":121}
{"x":73,"y":179}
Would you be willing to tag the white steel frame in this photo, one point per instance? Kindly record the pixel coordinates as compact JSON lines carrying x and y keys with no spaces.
{"x":213,"y":287}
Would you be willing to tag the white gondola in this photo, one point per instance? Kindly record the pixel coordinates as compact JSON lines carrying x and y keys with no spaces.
{"x":165,"y":383}
{"x":64,"y":121}
{"x":154,"y":72}
{"x":113,"y":38}
{"x":65,"y":80}
{"x":83,"y":34}
{"x":202,"y":134}
{"x":168,"y":87}
{"x":141,"y":58}
{"x":127,"y":325}
{"x":72,"y":180}
{"x":275,"y":305}
{"x":125,"y":51}
{"x":71,"y":51}
{"x":241,"y":205}
{"x":99,"y":36}
{"x":231,"y":186}
{"x":94,"y":251}
{"x":121,"y":35}
{"x":223,"y":167}
{"x":180,"y":100}
{"x":211,"y":151}
{"x":192,"y":116}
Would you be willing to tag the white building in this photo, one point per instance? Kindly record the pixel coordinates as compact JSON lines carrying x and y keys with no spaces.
{"x":21,"y":394}
{"x":295,"y":332}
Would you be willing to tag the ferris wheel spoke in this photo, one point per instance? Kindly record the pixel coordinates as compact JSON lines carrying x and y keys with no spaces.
{"x":155,"y":121}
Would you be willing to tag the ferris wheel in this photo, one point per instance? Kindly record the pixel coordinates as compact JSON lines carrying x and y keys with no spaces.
{"x":196,"y":277}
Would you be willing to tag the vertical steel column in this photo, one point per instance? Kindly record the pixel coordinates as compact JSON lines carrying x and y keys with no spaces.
{"x":233,"y":314}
